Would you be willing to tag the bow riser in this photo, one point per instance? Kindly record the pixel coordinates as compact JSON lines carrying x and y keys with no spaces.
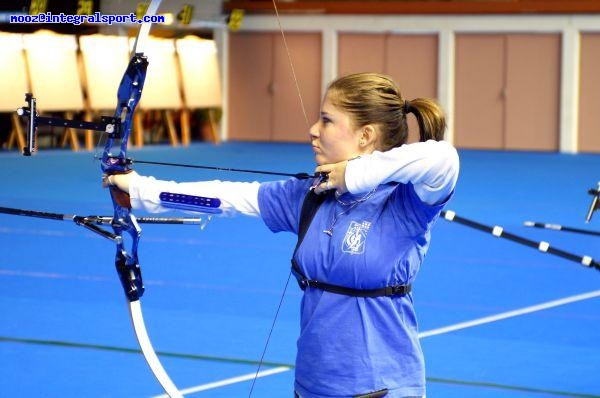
{"x":126,"y":262}
{"x":128,"y":96}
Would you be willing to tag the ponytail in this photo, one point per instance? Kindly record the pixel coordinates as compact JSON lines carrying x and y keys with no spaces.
{"x":430,"y":117}
{"x":372,"y":98}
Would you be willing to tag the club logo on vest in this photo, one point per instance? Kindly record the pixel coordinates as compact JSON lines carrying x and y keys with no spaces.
{"x":356,"y":236}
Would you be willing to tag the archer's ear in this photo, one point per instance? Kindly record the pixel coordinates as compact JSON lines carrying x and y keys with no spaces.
{"x":368,"y":136}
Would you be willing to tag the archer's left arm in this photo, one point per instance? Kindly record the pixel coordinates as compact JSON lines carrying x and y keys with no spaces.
{"x":431,"y":166}
{"x":235,"y":197}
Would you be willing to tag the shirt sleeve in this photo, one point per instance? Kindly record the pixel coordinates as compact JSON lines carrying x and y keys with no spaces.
{"x":280,"y":203}
{"x":431,"y":167}
{"x":236,"y":197}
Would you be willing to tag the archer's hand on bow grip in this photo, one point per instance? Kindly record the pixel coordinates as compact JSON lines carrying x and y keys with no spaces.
{"x":119,"y":186}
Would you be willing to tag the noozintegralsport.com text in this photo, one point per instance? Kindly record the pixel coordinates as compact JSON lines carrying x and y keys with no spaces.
{"x":96,"y":17}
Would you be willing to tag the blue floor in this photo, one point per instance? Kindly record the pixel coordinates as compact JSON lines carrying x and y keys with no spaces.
{"x":211,"y":294}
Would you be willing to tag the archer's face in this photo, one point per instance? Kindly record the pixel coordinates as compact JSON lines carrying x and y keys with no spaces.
{"x":333,"y":137}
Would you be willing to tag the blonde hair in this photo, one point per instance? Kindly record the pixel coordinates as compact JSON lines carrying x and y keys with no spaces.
{"x":372,"y":98}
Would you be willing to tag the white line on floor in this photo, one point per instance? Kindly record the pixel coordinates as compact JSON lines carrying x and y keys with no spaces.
{"x":510,"y":314}
{"x":233,"y":380}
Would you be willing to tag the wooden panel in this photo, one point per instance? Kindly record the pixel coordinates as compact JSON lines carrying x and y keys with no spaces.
{"x":289,"y":123}
{"x":53,"y":70}
{"x":250,"y":71}
{"x":161,"y":87}
{"x":103,"y":78}
{"x":200,"y":72}
{"x":479,"y":107}
{"x":589,"y":97}
{"x":360,"y":53}
{"x":13,"y":72}
{"x":411,"y":60}
{"x":532,"y":91}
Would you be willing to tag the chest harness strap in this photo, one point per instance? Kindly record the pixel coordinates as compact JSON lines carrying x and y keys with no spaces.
{"x":311,"y":204}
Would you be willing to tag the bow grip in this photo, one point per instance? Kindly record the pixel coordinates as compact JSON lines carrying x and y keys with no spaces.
{"x":120,"y":197}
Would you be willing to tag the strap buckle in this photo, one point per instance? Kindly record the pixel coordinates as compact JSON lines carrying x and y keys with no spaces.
{"x":398,"y":290}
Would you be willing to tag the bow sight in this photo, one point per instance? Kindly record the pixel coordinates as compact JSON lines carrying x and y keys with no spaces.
{"x":108,"y":124}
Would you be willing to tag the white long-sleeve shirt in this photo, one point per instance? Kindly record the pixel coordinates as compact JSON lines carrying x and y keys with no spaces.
{"x":431,"y":166}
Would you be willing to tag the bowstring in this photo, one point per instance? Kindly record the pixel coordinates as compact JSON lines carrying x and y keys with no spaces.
{"x":264,"y":351}
{"x":292,"y":69}
{"x":295,"y":77}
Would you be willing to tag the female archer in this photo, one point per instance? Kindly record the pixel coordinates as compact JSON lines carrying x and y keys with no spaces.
{"x":364,"y":229}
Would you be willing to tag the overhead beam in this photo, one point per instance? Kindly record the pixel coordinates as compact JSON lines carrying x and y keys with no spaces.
{"x":418,"y":7}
